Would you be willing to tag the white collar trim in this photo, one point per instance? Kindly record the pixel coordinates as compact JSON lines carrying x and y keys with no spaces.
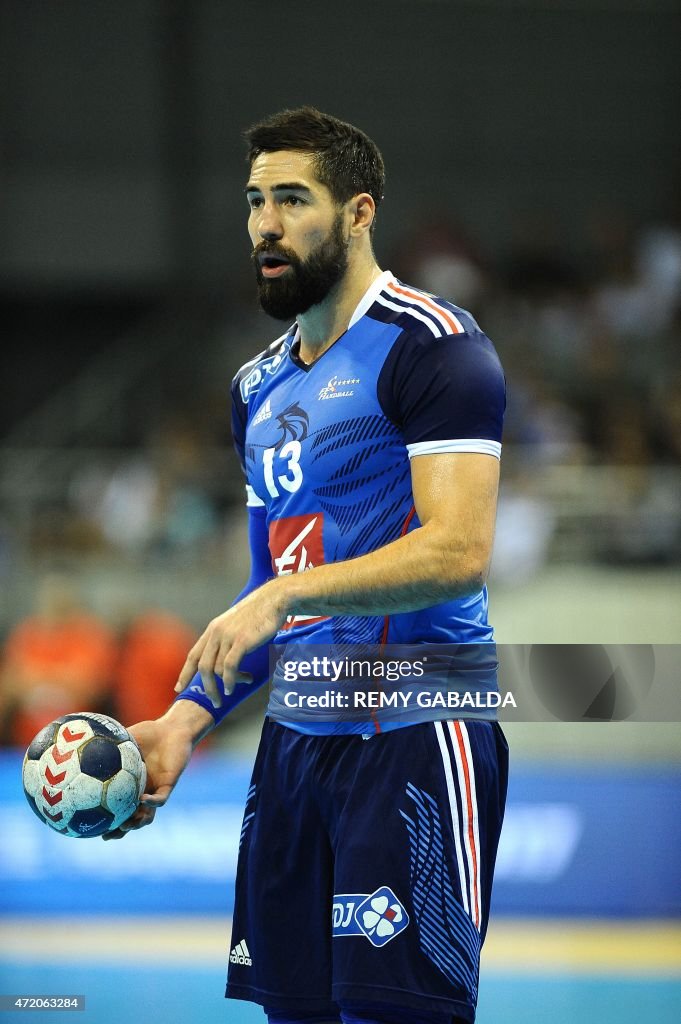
{"x":370,"y":296}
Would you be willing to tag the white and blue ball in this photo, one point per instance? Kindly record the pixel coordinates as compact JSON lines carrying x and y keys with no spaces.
{"x":84,"y":774}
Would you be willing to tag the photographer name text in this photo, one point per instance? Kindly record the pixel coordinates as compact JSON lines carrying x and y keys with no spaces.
{"x":378,"y":700}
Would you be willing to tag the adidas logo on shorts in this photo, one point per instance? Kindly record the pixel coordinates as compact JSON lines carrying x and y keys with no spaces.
{"x":240,"y":955}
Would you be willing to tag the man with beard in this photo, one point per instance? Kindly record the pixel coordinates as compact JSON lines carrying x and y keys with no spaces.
{"x":369,"y":435}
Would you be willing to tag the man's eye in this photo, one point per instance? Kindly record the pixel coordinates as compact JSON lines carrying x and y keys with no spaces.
{"x":293,"y":201}
{"x":255,"y":202}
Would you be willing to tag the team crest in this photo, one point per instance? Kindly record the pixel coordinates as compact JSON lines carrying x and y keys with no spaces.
{"x":338,"y":387}
{"x":293,"y":423}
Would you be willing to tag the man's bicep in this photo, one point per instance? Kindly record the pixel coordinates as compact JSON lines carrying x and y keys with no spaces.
{"x":458,"y":492}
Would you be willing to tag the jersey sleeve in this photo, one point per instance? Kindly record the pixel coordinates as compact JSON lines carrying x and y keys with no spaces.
{"x":256,"y":663}
{"x":239,"y":419}
{"x":446,"y":394}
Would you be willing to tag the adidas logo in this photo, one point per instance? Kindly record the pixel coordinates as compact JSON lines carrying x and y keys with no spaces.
{"x":264,"y":414}
{"x":240,"y":955}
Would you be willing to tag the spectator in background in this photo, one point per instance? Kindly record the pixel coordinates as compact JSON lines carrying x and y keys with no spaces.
{"x":640,"y":293}
{"x":667,"y":420}
{"x":58,"y":660}
{"x":156,"y":500}
{"x":642,"y":526}
{"x":440,"y":256}
{"x":153,"y":650}
{"x":526,"y":524}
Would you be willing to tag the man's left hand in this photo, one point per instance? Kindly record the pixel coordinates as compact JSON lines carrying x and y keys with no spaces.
{"x":230,"y":636}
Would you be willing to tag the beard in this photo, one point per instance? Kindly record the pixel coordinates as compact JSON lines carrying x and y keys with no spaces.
{"x":307,"y":282}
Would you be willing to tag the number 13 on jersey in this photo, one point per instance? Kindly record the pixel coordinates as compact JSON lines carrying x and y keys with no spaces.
{"x":288,"y":460}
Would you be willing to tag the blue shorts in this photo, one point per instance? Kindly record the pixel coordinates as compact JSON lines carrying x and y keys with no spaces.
{"x":365,"y":868}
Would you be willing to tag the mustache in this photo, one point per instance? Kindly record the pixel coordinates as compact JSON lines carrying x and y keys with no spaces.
{"x":274,"y":249}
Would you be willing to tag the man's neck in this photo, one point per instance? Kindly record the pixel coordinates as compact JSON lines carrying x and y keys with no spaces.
{"x":325,"y":323}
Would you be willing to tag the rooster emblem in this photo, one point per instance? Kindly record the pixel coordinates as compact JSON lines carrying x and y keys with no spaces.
{"x":293,"y":423}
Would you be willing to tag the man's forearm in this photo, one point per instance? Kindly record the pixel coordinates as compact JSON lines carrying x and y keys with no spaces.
{"x":189,"y":719}
{"x":416,"y":571}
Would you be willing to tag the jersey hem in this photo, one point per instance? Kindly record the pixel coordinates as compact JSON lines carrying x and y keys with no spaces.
{"x":465,"y":446}
{"x":322,"y":729}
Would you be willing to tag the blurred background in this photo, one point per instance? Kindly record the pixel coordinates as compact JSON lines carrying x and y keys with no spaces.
{"x":533,"y":156}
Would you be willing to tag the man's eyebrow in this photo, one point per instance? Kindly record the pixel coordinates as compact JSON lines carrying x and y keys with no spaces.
{"x":285,"y":186}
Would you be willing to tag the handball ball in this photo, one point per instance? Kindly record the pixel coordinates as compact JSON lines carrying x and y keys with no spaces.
{"x":83,"y":774}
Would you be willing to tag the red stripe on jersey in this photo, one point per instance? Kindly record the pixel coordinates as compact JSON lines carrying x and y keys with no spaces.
{"x":444,"y":313}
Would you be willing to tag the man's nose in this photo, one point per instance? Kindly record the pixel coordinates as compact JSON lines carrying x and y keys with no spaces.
{"x":269,"y":225}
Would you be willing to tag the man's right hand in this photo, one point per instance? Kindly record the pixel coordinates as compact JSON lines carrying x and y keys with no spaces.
{"x":167,"y":745}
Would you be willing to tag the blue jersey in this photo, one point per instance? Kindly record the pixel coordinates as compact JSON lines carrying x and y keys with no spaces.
{"x":326,"y":450}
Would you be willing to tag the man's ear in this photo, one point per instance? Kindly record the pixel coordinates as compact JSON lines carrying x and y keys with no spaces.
{"x":363,"y":209}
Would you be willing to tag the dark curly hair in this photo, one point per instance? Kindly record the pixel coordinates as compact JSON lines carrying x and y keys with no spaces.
{"x":346,"y":160}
